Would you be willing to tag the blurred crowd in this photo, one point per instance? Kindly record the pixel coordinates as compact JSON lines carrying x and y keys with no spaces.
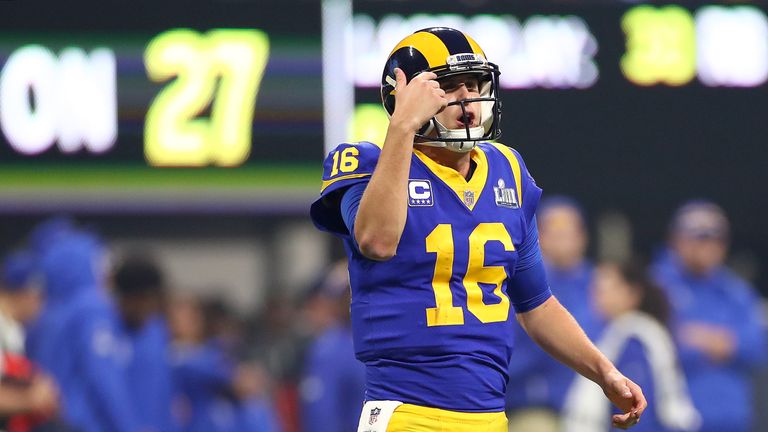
{"x":91,"y":346}
{"x":683,"y":326}
{"x":94,"y":343}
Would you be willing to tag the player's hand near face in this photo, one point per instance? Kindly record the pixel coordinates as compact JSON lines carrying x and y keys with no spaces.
{"x":383,"y":208}
{"x":417,"y":101}
{"x":627,"y":396}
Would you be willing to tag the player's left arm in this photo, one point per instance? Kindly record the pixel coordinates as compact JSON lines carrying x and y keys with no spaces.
{"x":553,"y":328}
{"x":558,"y":333}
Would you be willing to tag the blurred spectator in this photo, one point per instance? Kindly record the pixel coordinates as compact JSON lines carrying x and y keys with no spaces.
{"x":215,"y":393}
{"x":637,"y":341}
{"x":333,"y":387}
{"x":28,"y":397}
{"x":203,"y":372}
{"x":139,"y":289}
{"x":77,"y":338}
{"x":256,"y":411}
{"x":279,"y":341}
{"x":48,"y":231}
{"x":42,"y":236}
{"x":537,"y":382}
{"x":251,"y":382}
{"x":716,"y":317}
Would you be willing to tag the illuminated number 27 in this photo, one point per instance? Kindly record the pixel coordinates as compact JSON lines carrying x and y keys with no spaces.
{"x":440,"y":242}
{"x":234,"y":59}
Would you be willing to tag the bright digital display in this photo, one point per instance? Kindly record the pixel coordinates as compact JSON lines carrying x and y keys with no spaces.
{"x":541,"y":51}
{"x":732,"y":46}
{"x":193,"y":93}
{"x":216,"y":107}
{"x":578,"y":49}
{"x":221,"y":68}
{"x":661,"y":45}
{"x":722,"y":46}
{"x":68,"y":99}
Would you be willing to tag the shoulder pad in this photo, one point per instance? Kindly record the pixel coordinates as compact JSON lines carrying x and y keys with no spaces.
{"x":347,"y":164}
{"x":527,"y":191}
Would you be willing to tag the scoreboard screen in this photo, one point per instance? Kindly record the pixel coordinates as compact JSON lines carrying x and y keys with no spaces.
{"x":102,"y":105}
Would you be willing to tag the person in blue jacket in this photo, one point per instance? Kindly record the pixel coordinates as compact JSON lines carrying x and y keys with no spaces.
{"x":138,"y":284}
{"x":76,"y":336}
{"x":48,"y":231}
{"x":717,"y":319}
{"x":537,"y":382}
{"x":200,"y":368}
{"x":39,"y":239}
{"x":252,"y":385}
{"x":211,"y":386}
{"x":333,"y":386}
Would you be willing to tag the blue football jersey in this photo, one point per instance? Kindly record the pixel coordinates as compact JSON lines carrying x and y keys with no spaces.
{"x":433,"y":324}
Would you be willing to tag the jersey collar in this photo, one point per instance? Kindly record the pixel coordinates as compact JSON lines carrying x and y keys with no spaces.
{"x":468,"y":192}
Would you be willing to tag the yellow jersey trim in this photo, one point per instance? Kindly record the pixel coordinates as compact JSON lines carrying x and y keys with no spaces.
{"x":456,"y":181}
{"x":379,"y":145}
{"x":429,"y":45}
{"x":515,"y":164}
{"x":327,"y":183}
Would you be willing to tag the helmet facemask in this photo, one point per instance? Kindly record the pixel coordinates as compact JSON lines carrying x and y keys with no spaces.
{"x":447,"y":52}
{"x":435,"y":134}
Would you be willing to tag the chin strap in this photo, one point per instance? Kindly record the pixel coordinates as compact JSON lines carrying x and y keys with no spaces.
{"x":457,"y":146}
{"x":475,"y":135}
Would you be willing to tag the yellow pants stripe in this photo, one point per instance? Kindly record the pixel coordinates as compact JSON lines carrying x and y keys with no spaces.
{"x":414,"y":418}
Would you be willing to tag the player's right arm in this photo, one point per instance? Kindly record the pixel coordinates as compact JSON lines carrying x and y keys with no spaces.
{"x":380,"y":218}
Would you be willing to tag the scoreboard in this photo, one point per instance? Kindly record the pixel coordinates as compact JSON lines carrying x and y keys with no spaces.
{"x":195,"y":102}
{"x":586,"y":46}
{"x":69,"y":102}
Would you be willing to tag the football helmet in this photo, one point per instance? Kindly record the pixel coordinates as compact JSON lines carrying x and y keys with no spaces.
{"x":447,"y":52}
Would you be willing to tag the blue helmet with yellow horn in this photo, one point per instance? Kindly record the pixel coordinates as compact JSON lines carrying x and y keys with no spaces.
{"x":446,"y":52}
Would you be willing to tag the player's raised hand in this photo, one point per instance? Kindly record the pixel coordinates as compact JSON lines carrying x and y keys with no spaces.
{"x":417,"y":101}
{"x":627,"y":396}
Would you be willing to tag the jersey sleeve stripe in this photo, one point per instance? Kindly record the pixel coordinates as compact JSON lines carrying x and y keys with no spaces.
{"x":327,"y":183}
{"x":515,"y":164}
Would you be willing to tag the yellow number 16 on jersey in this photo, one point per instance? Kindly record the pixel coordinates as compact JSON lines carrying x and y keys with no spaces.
{"x":440,"y":242}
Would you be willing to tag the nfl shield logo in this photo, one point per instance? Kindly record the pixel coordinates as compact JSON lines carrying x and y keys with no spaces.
{"x":374,"y":415}
{"x":469,"y":198}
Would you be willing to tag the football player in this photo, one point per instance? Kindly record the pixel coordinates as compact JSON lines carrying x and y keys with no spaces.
{"x":440,"y":230}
